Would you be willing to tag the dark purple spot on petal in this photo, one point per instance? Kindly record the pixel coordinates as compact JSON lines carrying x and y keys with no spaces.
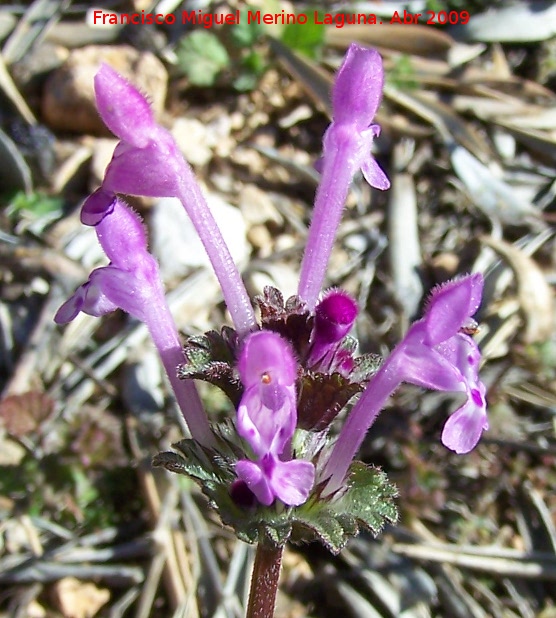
{"x":477,"y":397}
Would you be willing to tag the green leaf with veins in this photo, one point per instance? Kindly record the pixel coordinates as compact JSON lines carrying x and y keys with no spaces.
{"x":368,"y":501}
{"x":201,"y":56}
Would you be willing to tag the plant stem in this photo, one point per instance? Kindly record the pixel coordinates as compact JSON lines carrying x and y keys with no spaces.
{"x":336,"y":177}
{"x":233,"y":289}
{"x":164,"y":333}
{"x":361,"y":417}
{"x":264,"y":582}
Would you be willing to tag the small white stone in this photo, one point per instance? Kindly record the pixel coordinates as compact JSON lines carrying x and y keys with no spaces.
{"x":191,"y":137}
{"x":175,"y":241}
{"x":257,"y":206}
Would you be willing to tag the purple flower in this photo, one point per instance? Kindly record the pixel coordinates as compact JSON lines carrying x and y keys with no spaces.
{"x":132,"y":282}
{"x":147,"y":162}
{"x":270,"y":478}
{"x":436,"y":353}
{"x":356,"y":95}
{"x":334,"y":317}
{"x":464,"y":427}
{"x":266,"y":419}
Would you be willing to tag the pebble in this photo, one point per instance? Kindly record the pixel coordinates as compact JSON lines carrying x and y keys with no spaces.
{"x":68,"y":102}
{"x":103,"y":149}
{"x":175,"y":241}
{"x":257,"y":206}
{"x":191,"y":136}
{"x":260,"y":238}
{"x":281,"y":276}
{"x":198,"y":140}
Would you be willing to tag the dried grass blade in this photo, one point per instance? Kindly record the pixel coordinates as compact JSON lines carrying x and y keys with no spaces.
{"x":536,"y":297}
{"x":116,"y":575}
{"x":311,"y":77}
{"x":542,"y":143}
{"x":532,"y":394}
{"x":417,"y":40}
{"x":449,"y":126}
{"x":520,"y":22}
{"x":512,"y":564}
{"x":491,"y":194}
{"x":11,"y":91}
{"x":543,"y":513}
{"x":404,"y":245}
{"x":38,"y":18}
{"x":209,"y":578}
{"x":161,"y":513}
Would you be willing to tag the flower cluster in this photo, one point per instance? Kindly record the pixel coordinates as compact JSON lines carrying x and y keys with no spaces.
{"x":291,"y":375}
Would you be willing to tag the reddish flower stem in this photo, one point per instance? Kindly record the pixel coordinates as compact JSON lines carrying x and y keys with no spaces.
{"x":264,"y":582}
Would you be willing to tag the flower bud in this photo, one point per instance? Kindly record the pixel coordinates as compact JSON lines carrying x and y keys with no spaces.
{"x":334,"y":318}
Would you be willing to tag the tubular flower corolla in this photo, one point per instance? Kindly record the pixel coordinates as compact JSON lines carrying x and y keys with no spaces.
{"x":266,"y":419}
